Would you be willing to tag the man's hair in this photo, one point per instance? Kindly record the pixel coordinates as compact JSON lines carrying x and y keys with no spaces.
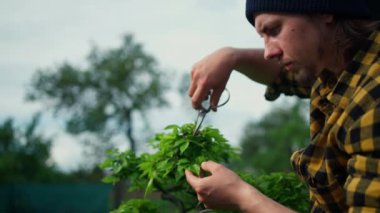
{"x":351,"y":33}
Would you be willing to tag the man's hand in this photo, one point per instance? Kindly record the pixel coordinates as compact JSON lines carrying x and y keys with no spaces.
{"x":211,"y":74}
{"x":223,"y":189}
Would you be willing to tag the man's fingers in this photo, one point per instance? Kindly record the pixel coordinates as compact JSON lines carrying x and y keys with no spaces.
{"x":199,"y":95}
{"x":210,"y":166}
{"x":192,"y":88}
{"x":191,"y":178}
{"x":215,"y":96}
{"x":206,"y":206}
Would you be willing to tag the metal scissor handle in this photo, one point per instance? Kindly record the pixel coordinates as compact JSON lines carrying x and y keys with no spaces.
{"x":204,"y":110}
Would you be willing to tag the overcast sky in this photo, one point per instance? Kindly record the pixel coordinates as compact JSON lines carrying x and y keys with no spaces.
{"x":44,"y":33}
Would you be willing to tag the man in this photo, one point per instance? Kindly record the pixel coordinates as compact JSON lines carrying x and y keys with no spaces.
{"x":328,"y":51}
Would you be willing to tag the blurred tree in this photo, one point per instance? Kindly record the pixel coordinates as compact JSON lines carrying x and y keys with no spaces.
{"x":267,"y":144}
{"x":25,"y":155}
{"x":103,"y":98}
{"x":182,"y":89}
{"x":184,"y":84}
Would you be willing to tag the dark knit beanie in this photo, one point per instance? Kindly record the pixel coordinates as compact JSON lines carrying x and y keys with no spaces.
{"x":348,"y":8}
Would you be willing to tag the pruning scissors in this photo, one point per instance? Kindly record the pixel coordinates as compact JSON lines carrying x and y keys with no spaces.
{"x":204,"y":110}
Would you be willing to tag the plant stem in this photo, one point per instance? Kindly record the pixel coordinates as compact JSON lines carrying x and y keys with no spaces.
{"x":169,"y":197}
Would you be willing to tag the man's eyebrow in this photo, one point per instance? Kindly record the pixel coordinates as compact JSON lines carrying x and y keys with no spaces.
{"x":265,"y":27}
{"x":262,"y":28}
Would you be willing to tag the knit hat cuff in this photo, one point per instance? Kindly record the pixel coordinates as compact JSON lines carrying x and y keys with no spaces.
{"x":349,"y":8}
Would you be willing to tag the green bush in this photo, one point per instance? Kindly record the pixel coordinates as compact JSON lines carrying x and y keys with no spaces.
{"x":137,"y":206}
{"x":284,"y":188}
{"x":178,"y":149}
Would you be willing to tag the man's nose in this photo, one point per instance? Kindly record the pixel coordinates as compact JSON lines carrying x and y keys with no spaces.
{"x":272,"y":51}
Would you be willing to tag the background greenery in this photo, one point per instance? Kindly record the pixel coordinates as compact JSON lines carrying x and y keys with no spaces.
{"x":102,"y":100}
{"x":268,"y":143}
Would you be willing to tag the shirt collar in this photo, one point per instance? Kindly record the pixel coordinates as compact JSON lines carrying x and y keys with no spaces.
{"x":339,"y":90}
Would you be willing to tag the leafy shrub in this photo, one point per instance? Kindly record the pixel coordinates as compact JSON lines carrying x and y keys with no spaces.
{"x":137,"y":206}
{"x":177,"y":150}
{"x":284,"y":188}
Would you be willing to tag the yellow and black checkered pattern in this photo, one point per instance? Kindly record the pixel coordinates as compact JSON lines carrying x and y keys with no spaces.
{"x":341,"y":165}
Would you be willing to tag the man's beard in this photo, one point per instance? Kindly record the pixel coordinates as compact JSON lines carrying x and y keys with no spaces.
{"x":305,"y":76}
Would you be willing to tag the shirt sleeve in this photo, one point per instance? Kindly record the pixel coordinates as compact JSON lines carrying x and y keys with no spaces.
{"x":363,"y":183}
{"x":286,"y":84}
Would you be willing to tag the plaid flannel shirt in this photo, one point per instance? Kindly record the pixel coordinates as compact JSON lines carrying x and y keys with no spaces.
{"x":341,"y":165}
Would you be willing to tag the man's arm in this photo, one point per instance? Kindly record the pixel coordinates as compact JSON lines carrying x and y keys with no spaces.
{"x":213,"y":71}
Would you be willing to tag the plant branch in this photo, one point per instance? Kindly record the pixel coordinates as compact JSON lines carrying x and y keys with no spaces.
{"x":169,"y":197}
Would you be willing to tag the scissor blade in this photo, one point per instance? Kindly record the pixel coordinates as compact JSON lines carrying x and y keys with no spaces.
{"x":198,"y":123}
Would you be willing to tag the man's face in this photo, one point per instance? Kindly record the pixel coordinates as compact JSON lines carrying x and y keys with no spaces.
{"x":297,"y":42}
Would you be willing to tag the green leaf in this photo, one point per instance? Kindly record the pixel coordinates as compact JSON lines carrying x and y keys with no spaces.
{"x":106,"y":164}
{"x":111,"y":152}
{"x":184,"y":147}
{"x":179,"y":142}
{"x":183,"y":161}
{"x":172,"y":126}
{"x":163,"y":165}
{"x":117,"y":169}
{"x":149,"y":187}
{"x":195,"y":168}
{"x":145,"y":165}
{"x":179,"y":176}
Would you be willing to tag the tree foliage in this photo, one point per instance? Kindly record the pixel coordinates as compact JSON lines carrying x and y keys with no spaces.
{"x":25,"y":157}
{"x":103,"y":97}
{"x":267,"y":144}
{"x":24,"y":154}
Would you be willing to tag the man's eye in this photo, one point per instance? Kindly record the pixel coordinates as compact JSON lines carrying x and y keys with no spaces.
{"x":274,"y":31}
